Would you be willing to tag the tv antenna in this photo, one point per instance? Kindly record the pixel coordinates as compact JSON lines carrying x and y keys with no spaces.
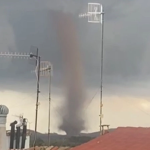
{"x":15,"y":55}
{"x":39,"y":71}
{"x":47,"y":71}
{"x":43,"y":69}
{"x":20,"y":117}
{"x":95,"y":14}
{"x":45,"y":66}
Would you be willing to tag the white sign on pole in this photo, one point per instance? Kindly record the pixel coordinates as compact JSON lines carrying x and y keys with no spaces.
{"x":94,"y":12}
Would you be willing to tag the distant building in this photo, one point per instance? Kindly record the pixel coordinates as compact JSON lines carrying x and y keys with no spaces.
{"x":27,"y":143}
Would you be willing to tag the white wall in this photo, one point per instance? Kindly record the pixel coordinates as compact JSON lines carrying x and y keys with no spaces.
{"x":27,"y":143}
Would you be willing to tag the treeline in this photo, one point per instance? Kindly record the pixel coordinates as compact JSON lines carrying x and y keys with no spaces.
{"x":69,"y":141}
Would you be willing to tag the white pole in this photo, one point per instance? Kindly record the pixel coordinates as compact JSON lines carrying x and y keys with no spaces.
{"x":49,"y":112}
{"x":95,"y":9}
{"x":101,"y":68}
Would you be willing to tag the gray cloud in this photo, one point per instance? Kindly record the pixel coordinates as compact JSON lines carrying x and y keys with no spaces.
{"x":126,"y":41}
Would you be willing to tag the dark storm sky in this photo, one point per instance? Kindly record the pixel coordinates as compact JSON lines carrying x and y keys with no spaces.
{"x":126,"y":56}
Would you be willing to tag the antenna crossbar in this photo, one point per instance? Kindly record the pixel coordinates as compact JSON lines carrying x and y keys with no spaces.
{"x":14,"y":54}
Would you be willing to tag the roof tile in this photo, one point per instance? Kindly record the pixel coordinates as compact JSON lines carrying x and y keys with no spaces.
{"x":123,"y":138}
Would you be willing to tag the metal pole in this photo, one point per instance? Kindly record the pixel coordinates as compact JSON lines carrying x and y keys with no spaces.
{"x":37,"y":100}
{"x":49,"y":112}
{"x":96,"y":20}
{"x":101,"y":68}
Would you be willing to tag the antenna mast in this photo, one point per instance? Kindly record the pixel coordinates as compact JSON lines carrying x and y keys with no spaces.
{"x":47,"y":72}
{"x":95,"y":14}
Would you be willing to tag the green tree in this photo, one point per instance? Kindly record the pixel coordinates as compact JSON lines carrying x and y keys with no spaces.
{"x":40,"y":142}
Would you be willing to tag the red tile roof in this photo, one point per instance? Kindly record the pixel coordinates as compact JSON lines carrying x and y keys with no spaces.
{"x":55,"y":148}
{"x":123,"y":138}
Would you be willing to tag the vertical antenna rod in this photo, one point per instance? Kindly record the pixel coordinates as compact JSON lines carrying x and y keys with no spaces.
{"x":37,"y":99}
{"x":49,"y":113}
{"x":38,"y":62}
{"x":101,"y":68}
{"x":46,"y":71}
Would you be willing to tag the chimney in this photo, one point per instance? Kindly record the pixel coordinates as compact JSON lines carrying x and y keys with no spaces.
{"x":24,"y":132}
{"x":12,"y":134}
{"x":3,"y":117}
{"x":18,"y":137}
{"x":18,"y":126}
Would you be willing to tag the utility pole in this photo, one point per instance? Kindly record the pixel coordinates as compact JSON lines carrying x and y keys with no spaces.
{"x":95,"y":14}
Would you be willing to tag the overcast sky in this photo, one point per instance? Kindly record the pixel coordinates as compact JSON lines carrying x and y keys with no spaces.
{"x":126,"y":59}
